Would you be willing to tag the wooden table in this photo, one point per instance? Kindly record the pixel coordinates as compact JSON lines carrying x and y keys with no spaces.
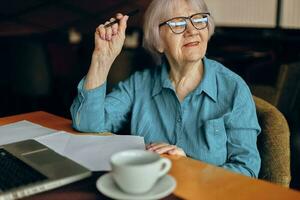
{"x":195,"y":179}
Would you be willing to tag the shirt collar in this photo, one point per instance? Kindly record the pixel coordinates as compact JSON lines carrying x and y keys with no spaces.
{"x":207,"y":85}
{"x":162,"y":78}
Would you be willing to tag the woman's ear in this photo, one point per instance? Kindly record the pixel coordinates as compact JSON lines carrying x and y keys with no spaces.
{"x":160,"y":48}
{"x":159,"y":44}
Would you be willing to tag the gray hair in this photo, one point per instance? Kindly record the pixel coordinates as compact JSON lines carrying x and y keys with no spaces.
{"x":160,"y":10}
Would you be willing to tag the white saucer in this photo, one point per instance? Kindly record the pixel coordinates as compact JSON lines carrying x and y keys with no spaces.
{"x":161,"y":189}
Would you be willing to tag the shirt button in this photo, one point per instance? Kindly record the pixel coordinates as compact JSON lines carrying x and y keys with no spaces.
{"x":179,"y":120}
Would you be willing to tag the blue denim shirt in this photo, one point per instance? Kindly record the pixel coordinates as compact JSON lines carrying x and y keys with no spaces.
{"x":216,"y":123}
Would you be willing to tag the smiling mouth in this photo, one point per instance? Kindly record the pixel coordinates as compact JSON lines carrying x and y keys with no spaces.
{"x":191,"y":44}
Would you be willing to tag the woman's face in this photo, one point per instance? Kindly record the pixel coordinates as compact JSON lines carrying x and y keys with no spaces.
{"x":189,"y":46}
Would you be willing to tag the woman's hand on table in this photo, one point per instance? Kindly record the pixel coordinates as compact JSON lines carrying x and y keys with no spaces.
{"x":164,"y":148}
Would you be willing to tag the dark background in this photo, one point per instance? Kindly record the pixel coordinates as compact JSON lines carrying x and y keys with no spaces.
{"x":40,"y":68}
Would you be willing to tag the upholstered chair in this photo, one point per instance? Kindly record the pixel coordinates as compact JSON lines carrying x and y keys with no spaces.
{"x":273,"y":144}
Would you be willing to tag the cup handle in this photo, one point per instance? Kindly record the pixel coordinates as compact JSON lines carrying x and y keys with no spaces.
{"x":166,"y":165}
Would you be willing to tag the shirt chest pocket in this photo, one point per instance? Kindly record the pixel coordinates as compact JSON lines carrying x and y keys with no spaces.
{"x":215,"y":137}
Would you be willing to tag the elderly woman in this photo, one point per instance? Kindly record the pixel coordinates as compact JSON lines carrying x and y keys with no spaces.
{"x":189,"y":105}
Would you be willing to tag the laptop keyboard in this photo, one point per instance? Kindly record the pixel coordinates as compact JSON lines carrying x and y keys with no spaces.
{"x":15,"y":173}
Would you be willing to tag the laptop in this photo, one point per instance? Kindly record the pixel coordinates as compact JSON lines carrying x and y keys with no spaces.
{"x":29,"y":167}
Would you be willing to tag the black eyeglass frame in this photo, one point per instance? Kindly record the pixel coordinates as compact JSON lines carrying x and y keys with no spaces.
{"x":185,"y":18}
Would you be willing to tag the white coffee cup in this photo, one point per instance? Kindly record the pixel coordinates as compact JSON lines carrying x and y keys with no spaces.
{"x":136,"y":171}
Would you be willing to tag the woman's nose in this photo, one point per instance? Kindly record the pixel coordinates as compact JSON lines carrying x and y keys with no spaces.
{"x":190,"y":29}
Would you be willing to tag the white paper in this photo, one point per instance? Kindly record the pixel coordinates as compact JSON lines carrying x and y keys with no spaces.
{"x":91,"y":151}
{"x":22,"y":130}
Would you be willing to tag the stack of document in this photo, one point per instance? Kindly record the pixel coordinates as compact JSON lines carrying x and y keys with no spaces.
{"x":92,"y":151}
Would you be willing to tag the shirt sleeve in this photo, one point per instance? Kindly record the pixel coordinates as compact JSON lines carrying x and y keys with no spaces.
{"x":242,"y":129}
{"x":94,"y":111}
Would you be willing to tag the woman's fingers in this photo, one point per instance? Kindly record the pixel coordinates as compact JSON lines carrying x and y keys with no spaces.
{"x":155,"y":146}
{"x":162,"y":148}
{"x":107,"y":33}
{"x":114,"y":29}
{"x":122,"y":23}
{"x":165,"y":149}
{"x":177,"y":151}
{"x":101,"y":31}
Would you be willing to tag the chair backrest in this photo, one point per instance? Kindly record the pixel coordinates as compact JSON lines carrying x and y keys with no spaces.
{"x":273,"y":144}
{"x":288,"y":86}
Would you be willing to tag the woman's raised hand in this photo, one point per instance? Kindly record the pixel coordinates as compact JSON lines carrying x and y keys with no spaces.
{"x":109,"y":40}
{"x":108,"y":45}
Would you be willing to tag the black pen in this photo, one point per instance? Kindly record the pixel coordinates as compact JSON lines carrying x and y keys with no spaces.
{"x":131,"y":13}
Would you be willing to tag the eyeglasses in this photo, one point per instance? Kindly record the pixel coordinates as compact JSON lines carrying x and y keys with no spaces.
{"x":179,"y":24}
